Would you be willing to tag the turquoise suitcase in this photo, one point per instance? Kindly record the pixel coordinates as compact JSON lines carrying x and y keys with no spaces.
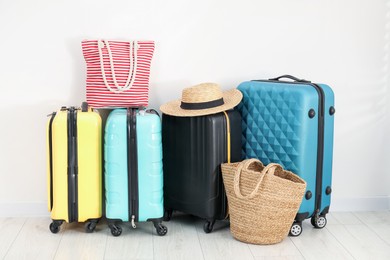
{"x":291,"y":123}
{"x":133,"y":169}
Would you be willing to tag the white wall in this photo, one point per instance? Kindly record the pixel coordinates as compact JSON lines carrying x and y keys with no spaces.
{"x":342,"y":43}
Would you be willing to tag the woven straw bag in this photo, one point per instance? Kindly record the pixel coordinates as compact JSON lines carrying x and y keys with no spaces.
{"x":263,"y":201}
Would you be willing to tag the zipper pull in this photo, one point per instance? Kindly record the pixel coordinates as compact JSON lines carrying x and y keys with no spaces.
{"x":132,"y":221}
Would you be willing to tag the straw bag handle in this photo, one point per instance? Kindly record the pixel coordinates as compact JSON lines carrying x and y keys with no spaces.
{"x":132,"y":70}
{"x":270,"y":168}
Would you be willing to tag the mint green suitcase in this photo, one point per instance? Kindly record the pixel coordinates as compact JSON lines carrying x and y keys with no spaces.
{"x":133,"y":169}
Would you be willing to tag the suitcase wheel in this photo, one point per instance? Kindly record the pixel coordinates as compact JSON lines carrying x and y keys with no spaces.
{"x":160,"y":228}
{"x":296,"y":229}
{"x":55,"y":226}
{"x":168,"y":214}
{"x":116,"y":230}
{"x":90,"y":226}
{"x":208,"y":226}
{"x":319,"y":222}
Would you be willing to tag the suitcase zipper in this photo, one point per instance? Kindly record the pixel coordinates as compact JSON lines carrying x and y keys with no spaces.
{"x":132,"y":165}
{"x":228,"y":146}
{"x":51,"y":156}
{"x":72,"y":165}
{"x":320,"y":149}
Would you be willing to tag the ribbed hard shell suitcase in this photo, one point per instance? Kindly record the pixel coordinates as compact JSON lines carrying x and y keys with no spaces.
{"x":74,"y":167}
{"x":133,"y":169}
{"x":291,"y":123}
{"x":194,"y":148}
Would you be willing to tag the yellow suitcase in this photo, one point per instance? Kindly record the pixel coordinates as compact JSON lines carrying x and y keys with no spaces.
{"x":74,"y":167}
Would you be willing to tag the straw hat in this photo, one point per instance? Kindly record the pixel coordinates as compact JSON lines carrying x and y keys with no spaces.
{"x":202,"y":99}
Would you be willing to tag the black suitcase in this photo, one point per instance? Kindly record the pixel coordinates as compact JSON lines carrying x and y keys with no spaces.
{"x":193,"y":150}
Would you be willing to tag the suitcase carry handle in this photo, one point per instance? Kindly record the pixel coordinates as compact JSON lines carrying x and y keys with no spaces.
{"x":84,"y":108}
{"x":290,"y":77}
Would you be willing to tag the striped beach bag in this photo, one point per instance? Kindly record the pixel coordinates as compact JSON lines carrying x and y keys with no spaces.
{"x":117,"y":72}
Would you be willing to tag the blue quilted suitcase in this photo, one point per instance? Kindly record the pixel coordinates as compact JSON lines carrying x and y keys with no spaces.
{"x":133,"y":169}
{"x":291,"y":123}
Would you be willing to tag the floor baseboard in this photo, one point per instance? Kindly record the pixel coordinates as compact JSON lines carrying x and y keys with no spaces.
{"x":23,"y":209}
{"x":361,"y":204}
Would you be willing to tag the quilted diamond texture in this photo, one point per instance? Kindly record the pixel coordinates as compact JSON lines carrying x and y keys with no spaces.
{"x":271,"y":125}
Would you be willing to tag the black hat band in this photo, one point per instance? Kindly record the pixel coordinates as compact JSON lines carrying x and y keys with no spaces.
{"x":202,"y":105}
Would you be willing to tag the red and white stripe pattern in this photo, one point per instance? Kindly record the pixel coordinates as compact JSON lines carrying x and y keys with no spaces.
{"x":98,"y":93}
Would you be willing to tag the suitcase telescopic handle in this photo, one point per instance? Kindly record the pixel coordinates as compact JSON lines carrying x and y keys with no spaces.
{"x":84,"y":107}
{"x":290,"y":77}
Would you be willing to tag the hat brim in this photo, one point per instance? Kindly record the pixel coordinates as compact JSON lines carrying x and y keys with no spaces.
{"x":231,"y":99}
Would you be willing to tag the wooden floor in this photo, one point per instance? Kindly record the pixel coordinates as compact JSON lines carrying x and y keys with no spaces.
{"x":348,"y":235}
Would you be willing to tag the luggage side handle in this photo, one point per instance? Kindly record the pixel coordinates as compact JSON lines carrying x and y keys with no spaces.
{"x":153,"y":111}
{"x":291,"y":77}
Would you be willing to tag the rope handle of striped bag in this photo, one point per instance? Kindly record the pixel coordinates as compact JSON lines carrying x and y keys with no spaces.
{"x":270,"y":168}
{"x":132,"y":70}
